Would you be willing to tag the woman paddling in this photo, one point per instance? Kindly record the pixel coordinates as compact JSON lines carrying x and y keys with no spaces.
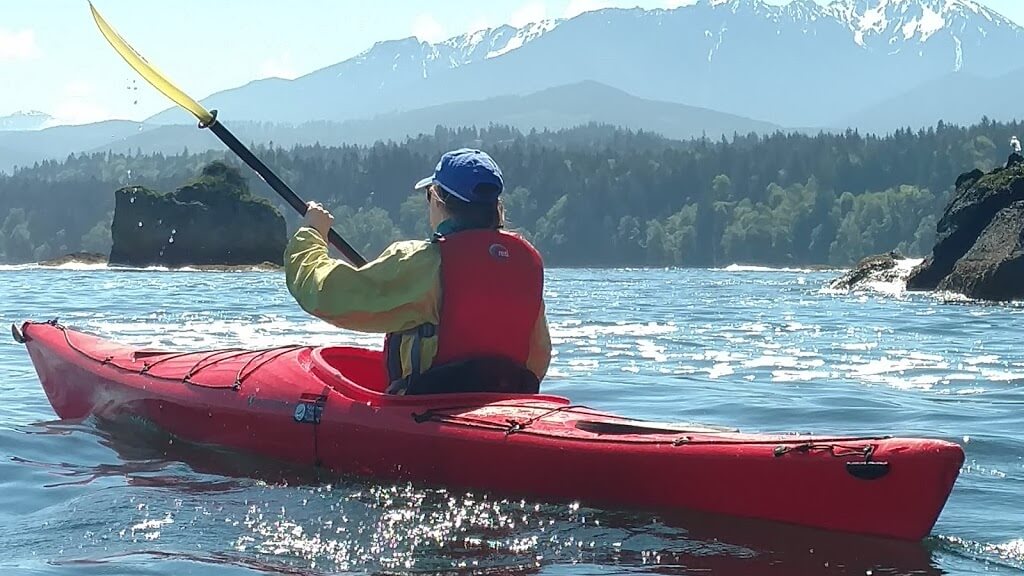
{"x":463,"y":311}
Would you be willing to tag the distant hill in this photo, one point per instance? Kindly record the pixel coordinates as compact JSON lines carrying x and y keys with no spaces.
{"x":26,"y":147}
{"x":563,"y":107}
{"x":958,"y":98}
{"x":555,"y":108}
{"x":10,"y":157}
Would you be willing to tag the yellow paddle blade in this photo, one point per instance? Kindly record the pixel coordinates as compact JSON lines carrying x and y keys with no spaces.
{"x":147,"y":71}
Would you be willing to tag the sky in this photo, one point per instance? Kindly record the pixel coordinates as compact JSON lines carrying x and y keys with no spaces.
{"x":53,"y":59}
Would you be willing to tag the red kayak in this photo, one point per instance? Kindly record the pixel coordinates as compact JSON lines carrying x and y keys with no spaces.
{"x":324,"y":406}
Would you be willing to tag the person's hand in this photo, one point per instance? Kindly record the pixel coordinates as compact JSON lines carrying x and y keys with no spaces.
{"x":318,"y":218}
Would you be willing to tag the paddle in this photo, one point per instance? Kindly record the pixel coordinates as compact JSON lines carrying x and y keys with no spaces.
{"x":208,"y":119}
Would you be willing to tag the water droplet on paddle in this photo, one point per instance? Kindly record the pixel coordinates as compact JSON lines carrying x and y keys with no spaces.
{"x":140,"y":223}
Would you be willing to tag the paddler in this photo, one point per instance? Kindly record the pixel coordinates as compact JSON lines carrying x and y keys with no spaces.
{"x":463,"y":311}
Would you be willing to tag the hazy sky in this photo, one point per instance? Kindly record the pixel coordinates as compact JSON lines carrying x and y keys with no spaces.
{"x":53,"y":59}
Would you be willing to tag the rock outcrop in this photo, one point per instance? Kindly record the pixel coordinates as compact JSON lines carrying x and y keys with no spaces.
{"x":993,"y":269}
{"x":212,"y":221}
{"x":979,"y":248}
{"x":879,"y":268}
{"x":76,"y":258}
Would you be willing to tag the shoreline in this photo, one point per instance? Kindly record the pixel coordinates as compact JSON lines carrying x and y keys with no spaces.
{"x":82,"y":262}
{"x":72,"y":265}
{"x":86,"y":261}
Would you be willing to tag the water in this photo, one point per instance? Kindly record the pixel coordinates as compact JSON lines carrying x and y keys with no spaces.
{"x":758,"y":350}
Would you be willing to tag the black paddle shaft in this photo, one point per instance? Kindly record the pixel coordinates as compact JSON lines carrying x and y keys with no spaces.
{"x":280,"y":187}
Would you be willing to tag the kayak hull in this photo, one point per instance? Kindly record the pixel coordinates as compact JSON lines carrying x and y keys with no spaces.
{"x":324,"y":407}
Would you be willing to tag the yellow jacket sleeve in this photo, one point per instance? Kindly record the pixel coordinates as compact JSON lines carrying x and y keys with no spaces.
{"x":397,"y":291}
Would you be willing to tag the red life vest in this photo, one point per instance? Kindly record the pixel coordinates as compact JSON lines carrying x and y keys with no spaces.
{"x":492,"y":286}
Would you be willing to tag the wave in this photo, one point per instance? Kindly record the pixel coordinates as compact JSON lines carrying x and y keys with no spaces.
{"x":908,"y":264}
{"x":892,"y":282}
{"x":104,"y":267}
{"x":751,"y":268}
{"x":1007,"y":554}
{"x":76,"y":266}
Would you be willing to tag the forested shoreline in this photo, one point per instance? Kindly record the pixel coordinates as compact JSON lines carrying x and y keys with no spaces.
{"x":589,"y":196}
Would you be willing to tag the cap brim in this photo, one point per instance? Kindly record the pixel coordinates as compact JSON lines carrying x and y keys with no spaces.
{"x":424,"y":183}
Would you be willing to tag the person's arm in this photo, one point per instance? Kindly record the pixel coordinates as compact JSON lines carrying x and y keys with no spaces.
{"x":540,"y":346}
{"x":396,"y":291}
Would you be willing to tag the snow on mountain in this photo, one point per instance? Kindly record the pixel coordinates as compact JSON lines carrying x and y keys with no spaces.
{"x":895,"y":21}
{"x":523,"y":35}
{"x":803,"y":11}
{"x":890,"y":26}
{"x":887,"y":21}
{"x":22,"y":120}
{"x":459,"y":50}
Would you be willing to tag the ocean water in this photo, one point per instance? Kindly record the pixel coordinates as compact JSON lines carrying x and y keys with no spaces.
{"x":751,"y":348}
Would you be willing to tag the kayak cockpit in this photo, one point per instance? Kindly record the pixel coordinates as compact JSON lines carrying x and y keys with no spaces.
{"x":360,"y":374}
{"x":359,"y":368}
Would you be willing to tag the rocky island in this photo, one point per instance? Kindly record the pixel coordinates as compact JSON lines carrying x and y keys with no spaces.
{"x":979,"y":247}
{"x":212,"y":222}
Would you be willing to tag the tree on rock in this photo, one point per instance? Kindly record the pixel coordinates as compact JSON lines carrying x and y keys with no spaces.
{"x":217,"y":182}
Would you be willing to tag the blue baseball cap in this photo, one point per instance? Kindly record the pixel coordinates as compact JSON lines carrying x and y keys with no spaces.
{"x":467,"y":174}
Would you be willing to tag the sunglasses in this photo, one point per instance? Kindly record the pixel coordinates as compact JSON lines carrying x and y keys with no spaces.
{"x":438,"y":193}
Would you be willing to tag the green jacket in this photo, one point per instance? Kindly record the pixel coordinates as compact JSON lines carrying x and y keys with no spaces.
{"x":399,"y":290}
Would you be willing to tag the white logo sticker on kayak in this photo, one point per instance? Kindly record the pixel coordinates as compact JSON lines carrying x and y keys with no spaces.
{"x":498,"y":251}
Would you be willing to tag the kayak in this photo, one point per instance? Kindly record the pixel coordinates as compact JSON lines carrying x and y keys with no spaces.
{"x":325,"y":407}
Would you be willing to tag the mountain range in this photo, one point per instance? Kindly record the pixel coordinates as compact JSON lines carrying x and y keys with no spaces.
{"x":800,"y":64}
{"x":23,"y":147}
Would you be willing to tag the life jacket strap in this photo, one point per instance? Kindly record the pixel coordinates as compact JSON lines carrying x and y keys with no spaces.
{"x":399,"y":383}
